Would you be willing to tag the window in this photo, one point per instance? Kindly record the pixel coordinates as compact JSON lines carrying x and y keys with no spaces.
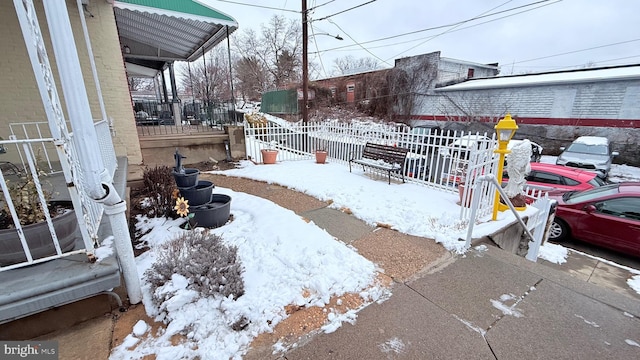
{"x":333,"y":91}
{"x":351,"y":88}
{"x":470,"y":73}
{"x":546,"y":178}
{"x":571,"y":182}
{"x":622,"y":207}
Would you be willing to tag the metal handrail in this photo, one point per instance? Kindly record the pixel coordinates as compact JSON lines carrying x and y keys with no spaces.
{"x":493,"y":181}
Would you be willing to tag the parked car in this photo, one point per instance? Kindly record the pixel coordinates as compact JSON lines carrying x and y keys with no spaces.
{"x":419,"y":137}
{"x":607,"y":216}
{"x":588,"y":152}
{"x":536,"y":150}
{"x":558,"y":177}
{"x":463,"y":145}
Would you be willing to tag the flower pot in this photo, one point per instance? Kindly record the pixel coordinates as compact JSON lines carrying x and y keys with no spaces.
{"x":321,"y":156}
{"x":199,"y":194}
{"x":213,"y":214}
{"x":188,"y":179}
{"x":39,"y":239}
{"x":461,"y":188}
{"x":269,"y":156}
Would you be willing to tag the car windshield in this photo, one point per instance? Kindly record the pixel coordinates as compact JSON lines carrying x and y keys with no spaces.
{"x":597,"y":181}
{"x":599,"y":149}
{"x":588,"y":195}
{"x":422,"y":130}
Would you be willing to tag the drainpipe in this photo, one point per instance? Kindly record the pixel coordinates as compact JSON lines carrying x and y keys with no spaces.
{"x":85,"y":136}
{"x":115,"y":208}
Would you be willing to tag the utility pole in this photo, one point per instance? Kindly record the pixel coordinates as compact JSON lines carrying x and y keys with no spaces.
{"x":305,"y":64}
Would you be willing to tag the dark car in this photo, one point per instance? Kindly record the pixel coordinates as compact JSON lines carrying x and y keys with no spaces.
{"x":419,"y":138}
{"x":607,"y":216}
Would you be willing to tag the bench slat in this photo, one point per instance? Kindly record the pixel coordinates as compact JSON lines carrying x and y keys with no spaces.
{"x":383,"y":157}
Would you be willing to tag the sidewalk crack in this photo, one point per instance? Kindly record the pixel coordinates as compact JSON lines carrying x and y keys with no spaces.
{"x":518,"y":300}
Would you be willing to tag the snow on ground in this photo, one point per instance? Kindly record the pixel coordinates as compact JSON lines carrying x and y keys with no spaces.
{"x":289,"y":261}
{"x":286,"y":261}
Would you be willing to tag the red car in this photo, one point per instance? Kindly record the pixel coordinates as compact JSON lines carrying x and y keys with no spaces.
{"x":558,"y":177}
{"x":607,"y":216}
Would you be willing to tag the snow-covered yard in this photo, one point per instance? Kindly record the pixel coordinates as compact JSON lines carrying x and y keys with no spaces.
{"x":288,"y":260}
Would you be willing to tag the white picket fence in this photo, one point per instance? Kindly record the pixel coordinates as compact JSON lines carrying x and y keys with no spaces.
{"x":439,"y":160}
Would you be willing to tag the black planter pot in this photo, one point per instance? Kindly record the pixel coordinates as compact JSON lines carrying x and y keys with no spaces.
{"x":188,"y":179}
{"x":213,"y":214}
{"x":39,"y":239}
{"x":198,"y":194}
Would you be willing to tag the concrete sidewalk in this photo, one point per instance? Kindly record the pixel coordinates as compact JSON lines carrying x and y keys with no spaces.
{"x":487,"y":304}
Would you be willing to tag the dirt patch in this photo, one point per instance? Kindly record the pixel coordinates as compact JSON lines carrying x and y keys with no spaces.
{"x":402,"y":256}
{"x":127,"y":320}
{"x":304,"y":322}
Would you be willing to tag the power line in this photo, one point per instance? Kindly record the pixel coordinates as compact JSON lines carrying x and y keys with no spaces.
{"x":313,"y":35}
{"x":317,"y":6}
{"x":477,"y":17}
{"x":446,"y":26}
{"x":593,"y":62}
{"x":363,"y":48}
{"x":344,"y":11}
{"x":259,"y":6}
{"x":576,"y":51}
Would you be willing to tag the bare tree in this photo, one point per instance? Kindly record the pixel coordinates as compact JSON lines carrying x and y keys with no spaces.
{"x":210,"y":82}
{"x":278,"y":48}
{"x":140,"y":83}
{"x":252,"y":78}
{"x":474,"y":111}
{"x":409,"y":82}
{"x":348,"y":65}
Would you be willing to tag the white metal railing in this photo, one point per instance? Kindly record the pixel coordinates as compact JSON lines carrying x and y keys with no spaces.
{"x":536,"y":224}
{"x":28,"y":172}
{"x":440,"y":160}
{"x":38,"y":157}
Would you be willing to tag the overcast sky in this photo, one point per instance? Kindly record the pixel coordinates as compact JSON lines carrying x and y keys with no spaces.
{"x":520,"y":35}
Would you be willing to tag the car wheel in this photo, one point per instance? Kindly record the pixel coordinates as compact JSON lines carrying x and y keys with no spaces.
{"x":559,"y":230}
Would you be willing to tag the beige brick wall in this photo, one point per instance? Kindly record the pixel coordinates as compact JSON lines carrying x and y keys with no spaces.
{"x":19,"y":97}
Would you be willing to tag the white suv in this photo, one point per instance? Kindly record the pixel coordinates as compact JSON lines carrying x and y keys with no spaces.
{"x":589,"y":153}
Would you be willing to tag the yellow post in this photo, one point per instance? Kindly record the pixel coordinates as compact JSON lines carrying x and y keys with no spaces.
{"x":505,"y":129}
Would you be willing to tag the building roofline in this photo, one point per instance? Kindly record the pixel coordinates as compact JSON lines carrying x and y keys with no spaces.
{"x":621,"y":72}
{"x":493,"y":66}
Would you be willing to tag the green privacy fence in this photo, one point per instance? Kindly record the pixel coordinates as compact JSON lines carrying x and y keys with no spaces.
{"x":280,"y":102}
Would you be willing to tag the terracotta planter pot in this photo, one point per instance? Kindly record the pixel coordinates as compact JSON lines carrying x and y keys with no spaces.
{"x":269,"y":156}
{"x":321,"y":156}
{"x":461,"y":188}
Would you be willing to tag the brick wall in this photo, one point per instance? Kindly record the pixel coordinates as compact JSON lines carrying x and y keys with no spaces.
{"x":20,"y":99}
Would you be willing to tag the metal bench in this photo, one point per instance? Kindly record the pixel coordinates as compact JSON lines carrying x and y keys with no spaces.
{"x":382,"y":157}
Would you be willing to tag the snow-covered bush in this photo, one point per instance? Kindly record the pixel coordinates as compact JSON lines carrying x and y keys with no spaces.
{"x":210,"y":266}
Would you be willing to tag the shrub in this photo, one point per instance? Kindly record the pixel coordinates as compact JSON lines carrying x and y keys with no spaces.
{"x":210,"y":266}
{"x":160,"y":185}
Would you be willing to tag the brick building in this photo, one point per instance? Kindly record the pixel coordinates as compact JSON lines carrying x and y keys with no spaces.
{"x":423,"y":72}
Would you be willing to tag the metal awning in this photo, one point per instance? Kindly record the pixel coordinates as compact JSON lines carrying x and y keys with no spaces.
{"x":154,"y":32}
